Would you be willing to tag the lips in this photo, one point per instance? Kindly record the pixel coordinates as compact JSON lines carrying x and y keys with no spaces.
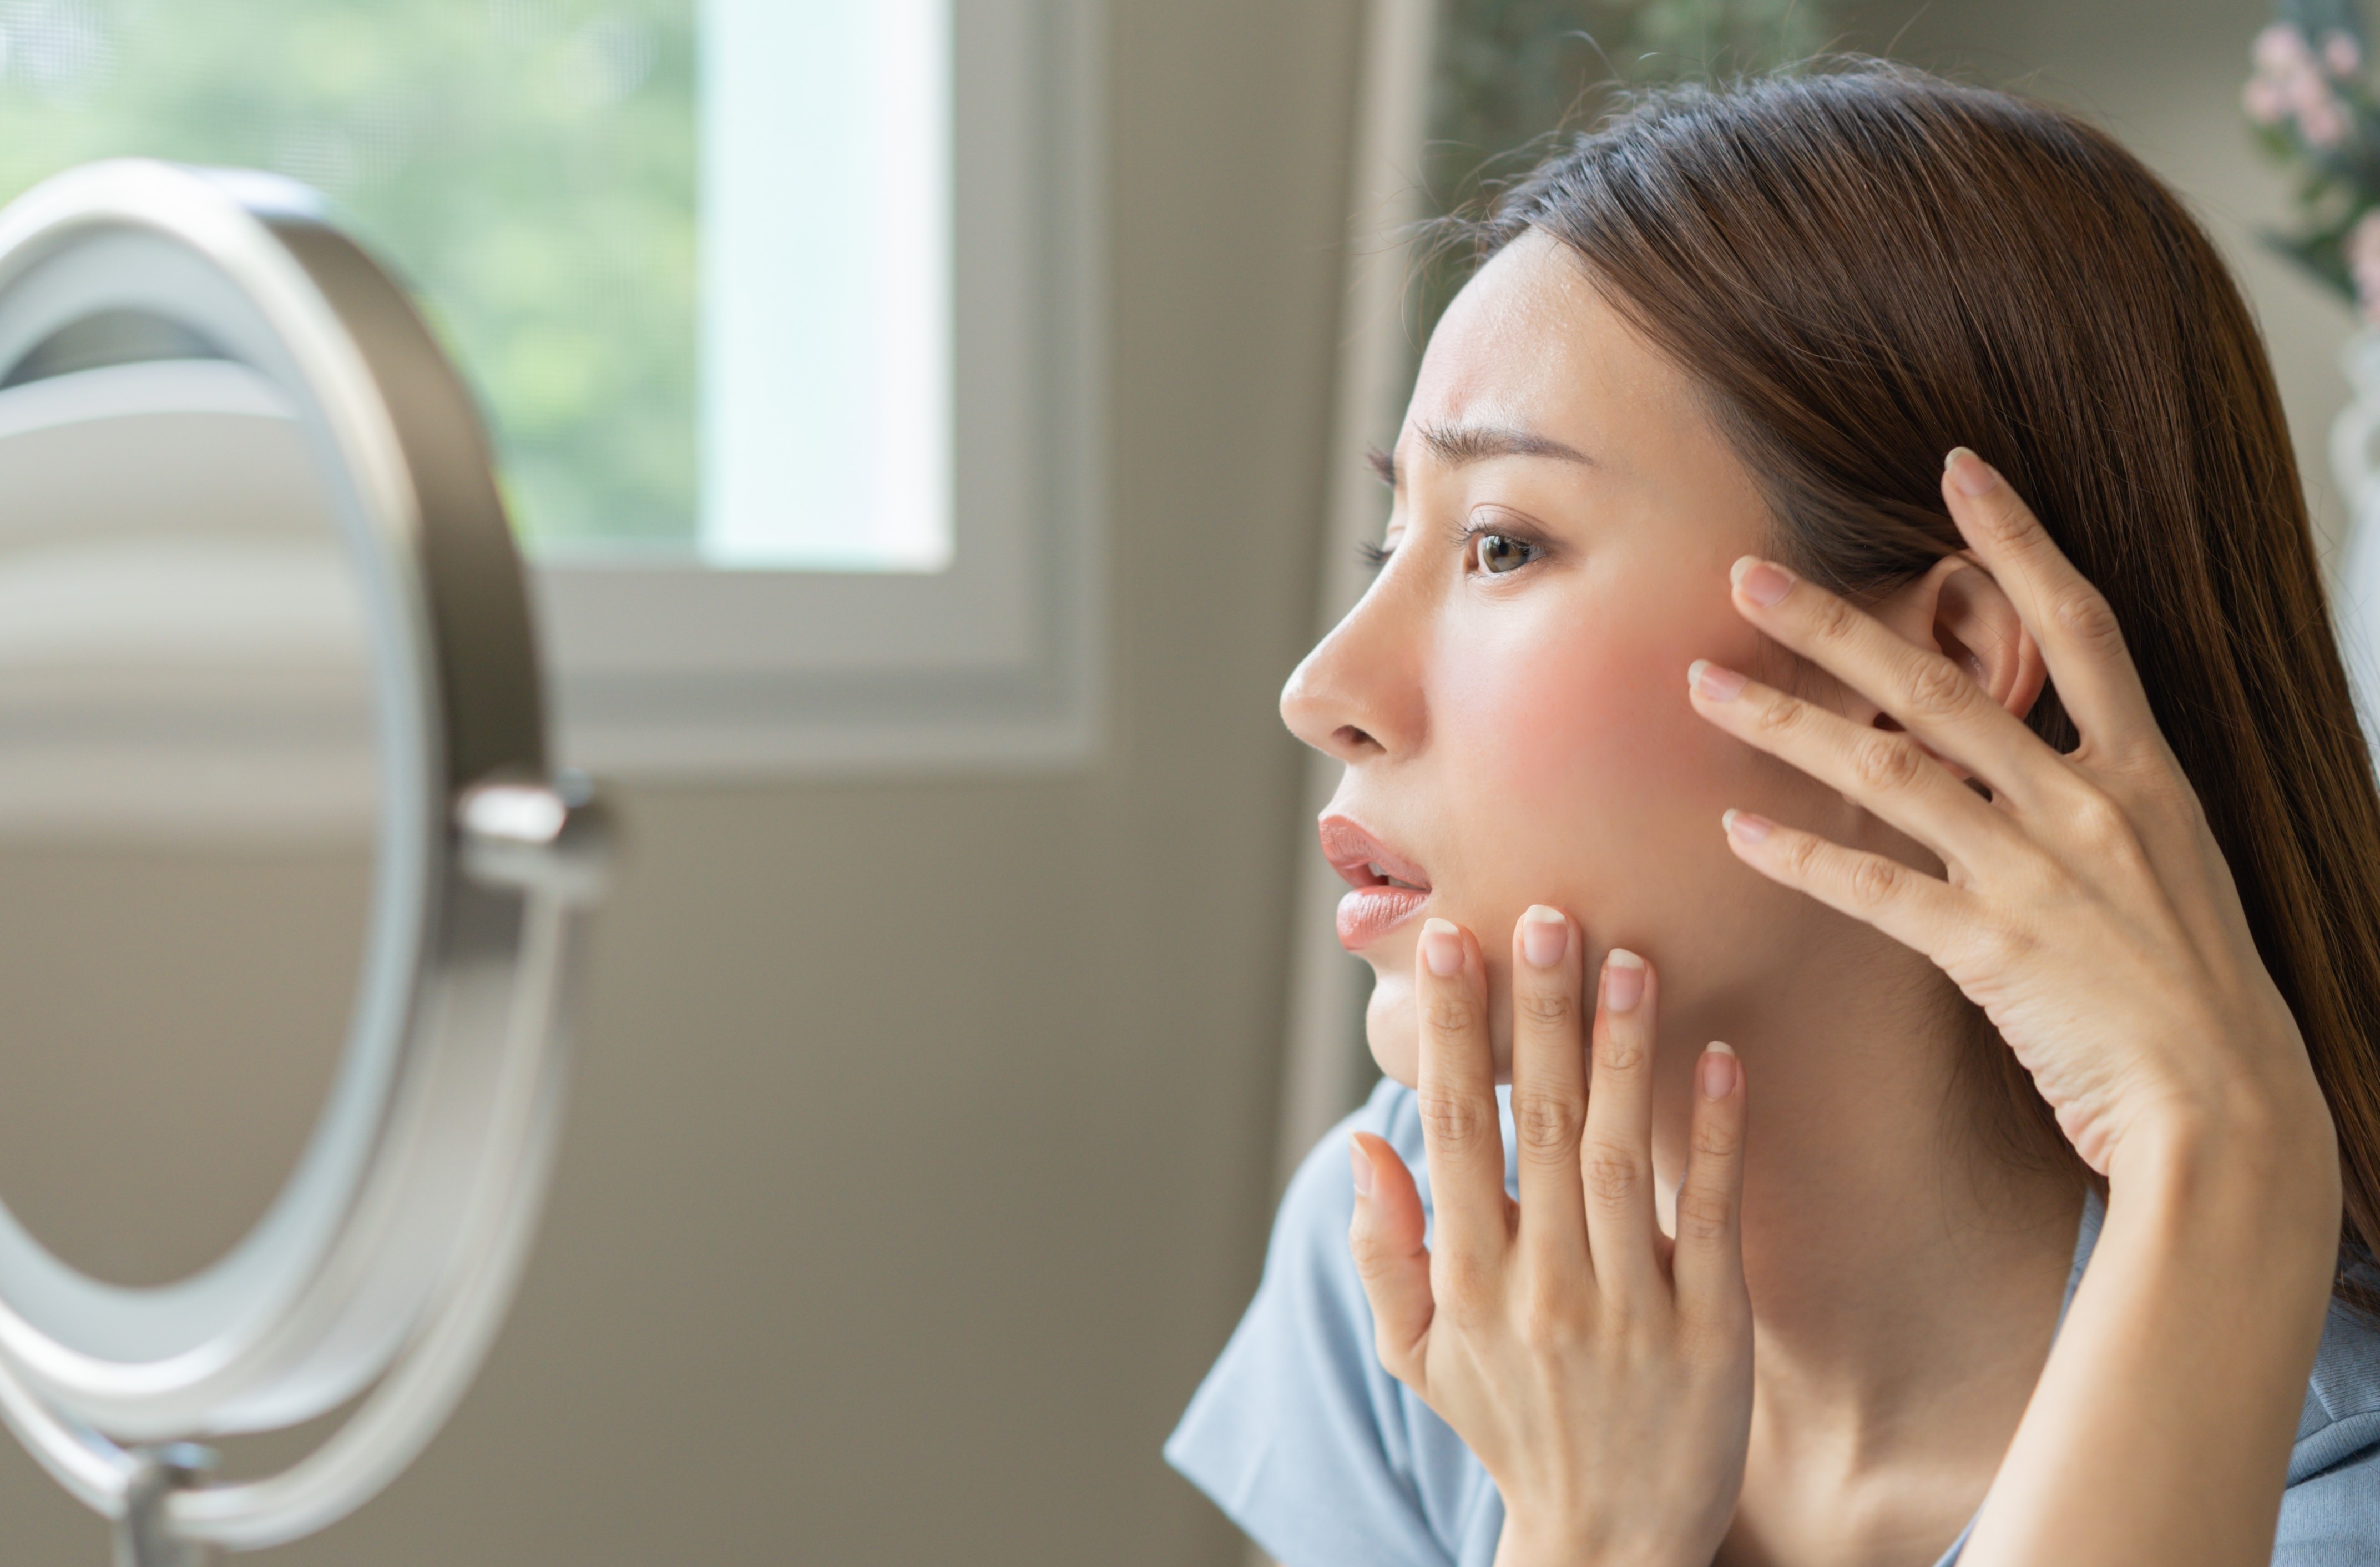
{"x":1384,"y":889}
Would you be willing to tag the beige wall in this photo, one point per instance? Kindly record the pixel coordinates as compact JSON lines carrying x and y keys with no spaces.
{"x":920,"y":1146}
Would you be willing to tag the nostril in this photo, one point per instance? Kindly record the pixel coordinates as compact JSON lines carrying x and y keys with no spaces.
{"x":1348,"y":737}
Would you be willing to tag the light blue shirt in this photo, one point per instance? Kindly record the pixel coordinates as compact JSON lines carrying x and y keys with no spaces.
{"x":1327,"y":1461}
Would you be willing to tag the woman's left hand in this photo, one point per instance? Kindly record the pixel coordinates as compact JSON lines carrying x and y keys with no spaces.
{"x":2084,"y":905}
{"x":1600,"y":1372}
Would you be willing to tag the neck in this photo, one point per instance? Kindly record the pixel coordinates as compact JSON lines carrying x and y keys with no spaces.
{"x":1905,"y":1282}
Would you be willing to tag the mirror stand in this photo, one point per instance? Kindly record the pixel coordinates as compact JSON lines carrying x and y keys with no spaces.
{"x":144,"y":1536}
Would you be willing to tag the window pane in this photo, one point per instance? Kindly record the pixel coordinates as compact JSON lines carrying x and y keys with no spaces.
{"x":825,"y":312}
{"x":535,"y":168}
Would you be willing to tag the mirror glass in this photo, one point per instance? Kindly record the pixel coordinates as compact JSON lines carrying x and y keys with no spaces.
{"x":186,"y":794}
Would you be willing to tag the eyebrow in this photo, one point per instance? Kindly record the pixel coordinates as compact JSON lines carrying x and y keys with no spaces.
{"x":1459,"y":445}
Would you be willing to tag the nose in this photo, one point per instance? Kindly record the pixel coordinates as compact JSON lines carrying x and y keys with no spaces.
{"x":1358,"y":695}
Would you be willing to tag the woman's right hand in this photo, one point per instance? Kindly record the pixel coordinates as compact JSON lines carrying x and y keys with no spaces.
{"x":1600,"y":1372}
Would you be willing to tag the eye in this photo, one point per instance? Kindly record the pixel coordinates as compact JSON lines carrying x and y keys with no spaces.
{"x":1499,"y":552}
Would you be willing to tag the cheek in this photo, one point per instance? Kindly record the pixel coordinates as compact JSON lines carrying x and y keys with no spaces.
{"x":1571,"y":713}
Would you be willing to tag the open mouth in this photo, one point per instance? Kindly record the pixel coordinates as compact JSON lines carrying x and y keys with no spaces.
{"x":1384,"y":889}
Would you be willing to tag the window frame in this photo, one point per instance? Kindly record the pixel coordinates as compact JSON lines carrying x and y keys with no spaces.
{"x":660,"y":666}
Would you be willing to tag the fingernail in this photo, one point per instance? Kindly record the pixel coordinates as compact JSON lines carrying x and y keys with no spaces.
{"x":1719,"y":1068}
{"x":1623,"y":980}
{"x":1744,"y":825}
{"x":1545,"y":935}
{"x":1761,"y":581}
{"x":1441,"y":948}
{"x":1361,"y":1163}
{"x":1716,"y":681}
{"x":1969,"y":472}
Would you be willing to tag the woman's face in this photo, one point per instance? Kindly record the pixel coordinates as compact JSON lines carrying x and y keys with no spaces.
{"x":1509,"y":696}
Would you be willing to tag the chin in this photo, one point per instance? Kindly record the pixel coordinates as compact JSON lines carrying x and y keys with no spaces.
{"x":1391,"y":1027}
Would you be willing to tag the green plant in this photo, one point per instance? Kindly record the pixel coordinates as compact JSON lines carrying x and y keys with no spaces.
{"x":2310,"y":100}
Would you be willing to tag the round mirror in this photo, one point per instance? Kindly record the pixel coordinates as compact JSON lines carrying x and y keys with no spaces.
{"x":285,"y":885}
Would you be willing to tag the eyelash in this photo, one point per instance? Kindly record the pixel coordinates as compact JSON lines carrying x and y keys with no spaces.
{"x":1374,"y":556}
{"x":1468,"y":537}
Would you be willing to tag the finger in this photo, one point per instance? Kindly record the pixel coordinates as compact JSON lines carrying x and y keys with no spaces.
{"x":1707,"y":1260}
{"x":1888,"y":773}
{"x":1929,"y":695}
{"x":1549,"y":1089}
{"x":2071,"y":618}
{"x":1385,"y":1240}
{"x":1616,"y":1154}
{"x":1457,"y":1093}
{"x":1912,"y":908}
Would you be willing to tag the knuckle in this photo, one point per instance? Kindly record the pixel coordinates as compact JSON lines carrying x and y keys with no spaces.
{"x":1612,"y":1177}
{"x":1939,"y":689}
{"x":1888,"y":763}
{"x":1618,"y":1056}
{"x":1451,"y":1013}
{"x":2085,"y":614}
{"x":1779,"y":716}
{"x":1830,"y":619}
{"x":1456,"y":1123}
{"x":2012,"y":524}
{"x":1704,"y":1215}
{"x":1873,"y":881}
{"x":2101,"y":825}
{"x":1805,"y":856}
{"x":1548,"y":1124}
{"x":1716,"y":1139}
{"x":1547,"y":1009}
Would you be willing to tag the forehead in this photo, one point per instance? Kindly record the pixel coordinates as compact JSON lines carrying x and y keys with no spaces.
{"x":1531,"y":343}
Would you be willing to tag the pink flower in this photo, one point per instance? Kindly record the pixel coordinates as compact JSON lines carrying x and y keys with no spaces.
{"x":2340,"y":55}
{"x":2289,"y":84}
{"x":2281,"y":49}
{"x":2323,"y":123}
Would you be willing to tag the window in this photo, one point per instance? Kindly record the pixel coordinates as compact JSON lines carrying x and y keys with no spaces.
{"x":825,"y":320}
{"x":783,"y":314}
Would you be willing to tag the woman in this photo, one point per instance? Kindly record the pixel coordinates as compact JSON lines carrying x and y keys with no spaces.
{"x":2007,"y":816}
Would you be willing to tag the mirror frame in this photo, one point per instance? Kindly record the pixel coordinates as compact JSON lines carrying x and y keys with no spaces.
{"x":389,"y":1257}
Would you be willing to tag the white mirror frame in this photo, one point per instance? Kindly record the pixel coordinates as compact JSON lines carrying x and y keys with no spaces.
{"x":388,"y":1260}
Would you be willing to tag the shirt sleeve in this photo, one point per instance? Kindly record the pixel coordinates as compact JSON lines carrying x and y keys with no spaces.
{"x":1299,"y":1434}
{"x":2332,"y":1519}
{"x":2330,"y":1514}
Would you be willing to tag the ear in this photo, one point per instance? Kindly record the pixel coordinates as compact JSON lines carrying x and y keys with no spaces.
{"x":1958,"y":609}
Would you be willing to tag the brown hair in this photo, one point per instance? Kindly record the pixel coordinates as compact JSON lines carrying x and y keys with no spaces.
{"x":1866,"y":266}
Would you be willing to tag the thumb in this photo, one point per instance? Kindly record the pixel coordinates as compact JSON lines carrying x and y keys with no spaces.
{"x":1386,"y":1239}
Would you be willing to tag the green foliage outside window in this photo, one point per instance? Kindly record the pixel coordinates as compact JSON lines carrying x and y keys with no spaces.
{"x":527,"y":165}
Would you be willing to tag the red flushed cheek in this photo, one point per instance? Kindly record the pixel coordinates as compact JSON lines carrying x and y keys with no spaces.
{"x":1571,"y":716}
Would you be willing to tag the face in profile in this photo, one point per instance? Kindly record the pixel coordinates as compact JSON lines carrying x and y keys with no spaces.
{"x":1510,"y":696}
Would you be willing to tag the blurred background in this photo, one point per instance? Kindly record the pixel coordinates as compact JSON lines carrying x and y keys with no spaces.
{"x":928,"y":1112}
